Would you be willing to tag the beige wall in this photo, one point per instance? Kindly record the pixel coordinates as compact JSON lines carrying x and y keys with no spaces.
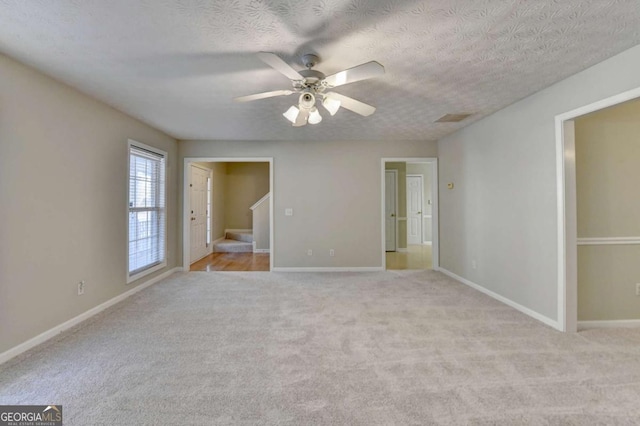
{"x":334,"y":188}
{"x":63,"y":201}
{"x":503,"y":210}
{"x":608,"y":205}
{"x":246,"y":183}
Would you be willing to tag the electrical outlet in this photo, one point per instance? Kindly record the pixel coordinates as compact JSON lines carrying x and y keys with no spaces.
{"x":474,"y":264}
{"x":332,"y":252}
{"x":81,"y":288}
{"x":637,"y":289}
{"x":309,"y":252}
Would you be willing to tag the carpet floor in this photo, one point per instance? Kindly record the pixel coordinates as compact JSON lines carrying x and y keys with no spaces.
{"x":383,"y":348}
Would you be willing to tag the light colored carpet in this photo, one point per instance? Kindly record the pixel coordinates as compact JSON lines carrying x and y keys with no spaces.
{"x":407,"y":347}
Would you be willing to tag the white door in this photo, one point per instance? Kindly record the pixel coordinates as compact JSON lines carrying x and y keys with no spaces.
{"x":198,"y":199}
{"x":414,"y":209}
{"x":390,"y":179}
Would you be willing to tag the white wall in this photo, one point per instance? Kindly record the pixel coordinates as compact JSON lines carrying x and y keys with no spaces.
{"x":261,"y":226}
{"x":334,"y":188}
{"x":502,"y":211}
{"x":63,"y":201}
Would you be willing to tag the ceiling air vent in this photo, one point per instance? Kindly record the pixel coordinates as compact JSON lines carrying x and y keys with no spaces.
{"x":452,"y":118}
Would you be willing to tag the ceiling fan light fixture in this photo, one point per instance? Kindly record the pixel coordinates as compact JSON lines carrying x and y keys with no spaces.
{"x":307,"y":100}
{"x":314,"y":116}
{"x":292,"y":114}
{"x":331,"y":105}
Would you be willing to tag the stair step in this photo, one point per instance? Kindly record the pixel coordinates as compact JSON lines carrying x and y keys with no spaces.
{"x":247,"y":237}
{"x":232,"y":246}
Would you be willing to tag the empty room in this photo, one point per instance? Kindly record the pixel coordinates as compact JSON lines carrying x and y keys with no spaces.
{"x":319,"y":212}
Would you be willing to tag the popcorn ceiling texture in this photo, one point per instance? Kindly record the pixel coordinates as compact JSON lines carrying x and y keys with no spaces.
{"x":384,"y":348}
{"x":176,"y":64}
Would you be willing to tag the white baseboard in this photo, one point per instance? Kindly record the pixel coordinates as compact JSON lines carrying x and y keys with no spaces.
{"x":402,"y":250}
{"x":238,"y":230}
{"x":43,"y":337}
{"x":217,"y":240}
{"x":255,"y":250}
{"x":329,"y":269}
{"x":427,"y":243}
{"x":533,"y":314}
{"x":586,"y":325}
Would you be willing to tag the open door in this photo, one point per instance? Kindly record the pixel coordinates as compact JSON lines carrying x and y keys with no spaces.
{"x":390,"y":186}
{"x":414,"y":209}
{"x":198,"y":196}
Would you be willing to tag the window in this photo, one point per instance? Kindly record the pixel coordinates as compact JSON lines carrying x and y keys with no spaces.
{"x":147,"y":213}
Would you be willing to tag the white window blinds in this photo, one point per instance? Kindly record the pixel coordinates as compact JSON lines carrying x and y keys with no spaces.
{"x":147,"y":208}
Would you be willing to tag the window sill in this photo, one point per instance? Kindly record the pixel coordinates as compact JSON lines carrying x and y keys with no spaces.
{"x":141,"y":274}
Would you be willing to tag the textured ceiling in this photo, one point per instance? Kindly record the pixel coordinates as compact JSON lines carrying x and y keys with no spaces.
{"x":177,"y":64}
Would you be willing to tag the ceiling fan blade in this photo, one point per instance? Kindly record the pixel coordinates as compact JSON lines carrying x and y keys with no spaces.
{"x":357,"y":73}
{"x":302,"y":118}
{"x":352,"y":104}
{"x":276,"y":62}
{"x":263,"y":95}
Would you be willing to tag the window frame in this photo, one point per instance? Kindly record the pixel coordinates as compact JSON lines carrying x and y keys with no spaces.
{"x":136,"y":275}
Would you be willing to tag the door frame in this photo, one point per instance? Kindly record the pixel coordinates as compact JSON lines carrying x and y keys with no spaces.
{"x":421,"y":176}
{"x":186,"y":198}
{"x":567,"y":208}
{"x":210,"y":174}
{"x":433,"y":161}
{"x":384,"y":212}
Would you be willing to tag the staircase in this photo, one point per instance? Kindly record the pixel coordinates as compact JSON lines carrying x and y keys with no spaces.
{"x":235,"y":242}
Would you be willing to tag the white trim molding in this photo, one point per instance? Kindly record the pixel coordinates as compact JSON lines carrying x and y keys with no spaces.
{"x":533,"y":314}
{"x":260,"y":201}
{"x":53,"y":332}
{"x":608,"y":241}
{"x":586,"y":325}
{"x":329,"y":269}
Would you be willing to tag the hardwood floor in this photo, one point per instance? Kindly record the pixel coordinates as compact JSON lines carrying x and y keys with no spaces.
{"x":416,"y":257}
{"x":232,"y":262}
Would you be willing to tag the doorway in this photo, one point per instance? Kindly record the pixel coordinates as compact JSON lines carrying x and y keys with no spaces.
{"x":228,"y":214}
{"x":409,"y":213}
{"x":571,"y":239}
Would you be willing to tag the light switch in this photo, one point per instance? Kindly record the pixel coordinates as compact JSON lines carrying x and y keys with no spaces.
{"x":288,"y":212}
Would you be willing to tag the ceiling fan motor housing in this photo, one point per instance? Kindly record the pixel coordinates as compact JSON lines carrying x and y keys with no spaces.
{"x":310,"y":60}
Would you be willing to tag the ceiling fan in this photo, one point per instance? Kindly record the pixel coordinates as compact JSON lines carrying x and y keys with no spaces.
{"x":312,"y":85}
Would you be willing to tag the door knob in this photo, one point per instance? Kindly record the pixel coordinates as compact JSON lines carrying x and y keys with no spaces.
{"x":419,"y":212}
{"x":393,"y":215}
